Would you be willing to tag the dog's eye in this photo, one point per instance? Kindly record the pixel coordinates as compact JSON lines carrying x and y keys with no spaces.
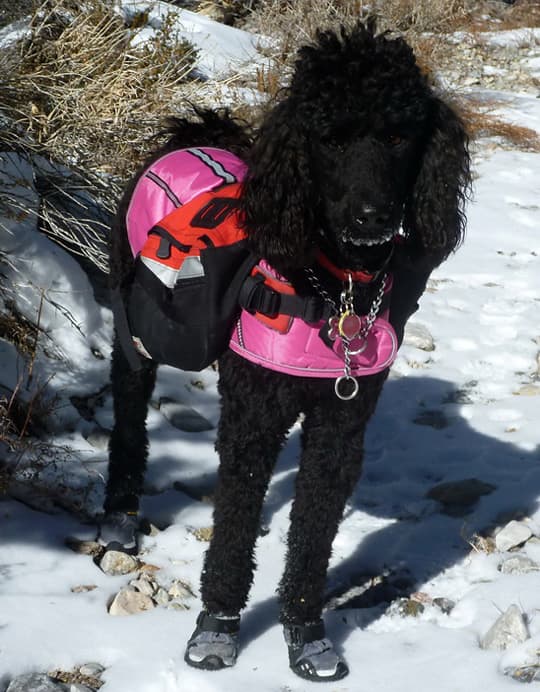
{"x":394,"y":140}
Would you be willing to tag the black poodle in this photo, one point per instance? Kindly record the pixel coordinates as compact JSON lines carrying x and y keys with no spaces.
{"x":359,"y":173}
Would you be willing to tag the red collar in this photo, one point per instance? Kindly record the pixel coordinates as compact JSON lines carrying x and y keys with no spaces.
{"x":362,"y":276}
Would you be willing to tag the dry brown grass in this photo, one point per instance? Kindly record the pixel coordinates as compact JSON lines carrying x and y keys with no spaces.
{"x":481,"y":123}
{"x":84,"y":92}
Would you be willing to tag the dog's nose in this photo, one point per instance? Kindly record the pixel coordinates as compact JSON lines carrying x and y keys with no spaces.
{"x":373,"y":218}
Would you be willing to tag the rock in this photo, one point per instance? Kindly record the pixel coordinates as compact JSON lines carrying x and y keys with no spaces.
{"x":35,"y":682}
{"x":144,"y":584}
{"x":509,"y":629}
{"x":204,"y":533}
{"x":444,"y":604}
{"x":91,"y":670}
{"x":115,"y":563}
{"x":99,"y":438}
{"x":161,"y":597}
{"x":524,"y":673}
{"x":84,"y":547}
{"x":178,"y":605}
{"x":432,"y":418}
{"x":528,"y":390}
{"x":406,"y":607}
{"x":130,"y":602}
{"x":179,"y":589}
{"x":418,"y":336}
{"x":83,"y":588}
{"x":458,"y":497}
{"x":184,"y":417}
{"x":513,"y":534}
{"x":518,"y":564}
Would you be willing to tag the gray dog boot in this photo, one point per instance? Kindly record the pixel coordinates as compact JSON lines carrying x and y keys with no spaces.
{"x":214,"y":643}
{"x":311,"y":653}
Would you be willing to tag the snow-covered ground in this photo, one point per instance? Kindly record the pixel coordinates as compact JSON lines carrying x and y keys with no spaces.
{"x":467,"y":409}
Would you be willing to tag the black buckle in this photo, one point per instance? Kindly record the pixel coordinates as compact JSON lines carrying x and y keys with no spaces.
{"x":256,"y":297}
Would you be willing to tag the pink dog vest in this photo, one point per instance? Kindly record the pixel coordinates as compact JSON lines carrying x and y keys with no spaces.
{"x":301,"y":351}
{"x":173,"y":180}
{"x":178,"y":177}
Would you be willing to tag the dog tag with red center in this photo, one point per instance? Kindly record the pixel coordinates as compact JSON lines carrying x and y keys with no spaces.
{"x":349,"y":326}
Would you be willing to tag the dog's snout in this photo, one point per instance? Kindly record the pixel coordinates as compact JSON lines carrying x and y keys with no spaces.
{"x":372,"y":217}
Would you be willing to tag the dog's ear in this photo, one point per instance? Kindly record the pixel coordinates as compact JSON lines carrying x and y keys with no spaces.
{"x":434,"y":219}
{"x":278,"y":195}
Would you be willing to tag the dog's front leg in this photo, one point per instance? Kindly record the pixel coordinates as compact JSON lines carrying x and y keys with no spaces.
{"x":251,"y":433}
{"x":332,"y":454}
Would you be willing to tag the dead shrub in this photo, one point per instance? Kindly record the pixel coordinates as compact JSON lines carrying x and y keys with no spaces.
{"x":85,"y":91}
{"x":481,"y":123}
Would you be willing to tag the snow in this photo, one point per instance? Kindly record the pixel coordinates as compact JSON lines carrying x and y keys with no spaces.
{"x":482,"y":308}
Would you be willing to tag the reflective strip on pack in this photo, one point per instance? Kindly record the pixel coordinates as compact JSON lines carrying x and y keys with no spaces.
{"x":191,"y":268}
{"x":167,"y":275}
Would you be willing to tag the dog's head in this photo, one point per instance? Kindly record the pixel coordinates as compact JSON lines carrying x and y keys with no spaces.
{"x":360,"y":149}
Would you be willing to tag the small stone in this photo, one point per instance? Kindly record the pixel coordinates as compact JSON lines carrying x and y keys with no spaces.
{"x":432,"y":418}
{"x":184,"y":417}
{"x":458,"y":497}
{"x":161,"y":597}
{"x":99,"y":438}
{"x":524,"y":673}
{"x":444,"y":604}
{"x":144,"y":584}
{"x":92,"y":669}
{"x":130,"y":602}
{"x":115,"y":563}
{"x":528,"y":390}
{"x":406,"y":607}
{"x":35,"y":682}
{"x":83,"y":588}
{"x":418,"y":336}
{"x":178,"y":605}
{"x":204,"y":533}
{"x":513,"y":534}
{"x":518,"y":564}
{"x":84,"y":547}
{"x":180,"y":589}
{"x":510,"y":628}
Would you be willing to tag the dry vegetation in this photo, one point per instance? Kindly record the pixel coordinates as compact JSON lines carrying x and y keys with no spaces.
{"x":80,"y":88}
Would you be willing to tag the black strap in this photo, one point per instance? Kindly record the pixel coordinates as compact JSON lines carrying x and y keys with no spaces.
{"x":122,"y":330}
{"x":214,"y":623}
{"x":256,"y":296}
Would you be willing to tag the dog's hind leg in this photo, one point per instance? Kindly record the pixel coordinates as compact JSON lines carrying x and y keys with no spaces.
{"x":128,"y":446}
{"x":128,"y":450}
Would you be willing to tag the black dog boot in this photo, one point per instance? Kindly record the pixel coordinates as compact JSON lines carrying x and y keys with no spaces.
{"x":312,"y":655}
{"x":214,"y":643}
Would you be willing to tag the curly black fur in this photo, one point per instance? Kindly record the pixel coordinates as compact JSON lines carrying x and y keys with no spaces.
{"x":359,"y":146}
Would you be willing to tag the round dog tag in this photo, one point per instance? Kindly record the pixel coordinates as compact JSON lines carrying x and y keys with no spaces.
{"x":349,"y":326}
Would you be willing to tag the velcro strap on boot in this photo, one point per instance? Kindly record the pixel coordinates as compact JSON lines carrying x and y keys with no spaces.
{"x":214,"y":623}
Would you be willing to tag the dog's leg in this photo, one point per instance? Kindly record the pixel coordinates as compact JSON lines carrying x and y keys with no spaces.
{"x":256,"y":416}
{"x":128,"y":446}
{"x":333,"y":438}
{"x":248,"y":451}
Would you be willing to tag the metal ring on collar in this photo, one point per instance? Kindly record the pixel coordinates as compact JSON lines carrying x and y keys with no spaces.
{"x":351,"y":395}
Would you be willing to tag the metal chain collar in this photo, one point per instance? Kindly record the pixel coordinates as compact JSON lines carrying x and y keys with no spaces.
{"x":337,"y":320}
